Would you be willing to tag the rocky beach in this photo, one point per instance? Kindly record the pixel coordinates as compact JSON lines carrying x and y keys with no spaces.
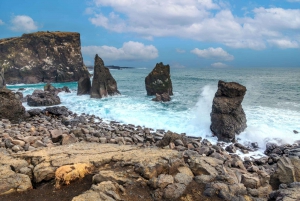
{"x":50,"y":152}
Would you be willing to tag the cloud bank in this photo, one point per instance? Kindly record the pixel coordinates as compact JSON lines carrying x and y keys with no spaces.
{"x":23,"y":23}
{"x":130,"y":51}
{"x":213,"y":53}
{"x":199,"y":20}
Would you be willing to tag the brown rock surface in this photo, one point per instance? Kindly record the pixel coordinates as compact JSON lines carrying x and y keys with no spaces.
{"x":2,"y":80}
{"x":103,"y":83}
{"x":42,"y":57}
{"x":10,"y":107}
{"x":228,"y":117}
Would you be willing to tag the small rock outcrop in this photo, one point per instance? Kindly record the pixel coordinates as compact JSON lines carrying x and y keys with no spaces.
{"x":165,"y":97}
{"x":2,"y":80}
{"x":159,"y":80}
{"x":11,"y":107}
{"x":84,"y":85}
{"x":43,"y":98}
{"x":228,"y":117}
{"x":103,"y":82}
{"x":42,"y":57}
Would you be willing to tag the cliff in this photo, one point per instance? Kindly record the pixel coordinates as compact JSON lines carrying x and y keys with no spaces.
{"x":42,"y":57}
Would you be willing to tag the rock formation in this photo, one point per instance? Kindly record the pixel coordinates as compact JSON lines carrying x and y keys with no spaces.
{"x":42,"y":57}
{"x":165,"y":97}
{"x":228,"y":117}
{"x":11,"y":107}
{"x":43,"y":98}
{"x":103,"y":82}
{"x":2,"y":80}
{"x":84,"y":85}
{"x":159,"y":80}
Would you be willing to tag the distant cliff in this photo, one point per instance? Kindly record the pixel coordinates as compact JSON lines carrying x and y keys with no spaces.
{"x":42,"y":57}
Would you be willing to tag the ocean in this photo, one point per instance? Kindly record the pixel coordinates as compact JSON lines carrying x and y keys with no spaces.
{"x":271,"y":103}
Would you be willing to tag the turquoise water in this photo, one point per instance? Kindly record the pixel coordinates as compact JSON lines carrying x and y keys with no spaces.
{"x":271,"y":104}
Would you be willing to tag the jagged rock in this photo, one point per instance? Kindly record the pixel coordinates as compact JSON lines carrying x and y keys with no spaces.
{"x":42,"y":57}
{"x":54,"y":90}
{"x":42,"y":98}
{"x":10,"y":107}
{"x":165,"y":97}
{"x":159,"y":80}
{"x":2,"y":80}
{"x":228,"y":117}
{"x":57,"y":110}
{"x":103,"y":83}
{"x":170,"y":137}
{"x":205,"y":165}
{"x":33,"y":112}
{"x":287,"y":193}
{"x":84,"y":85}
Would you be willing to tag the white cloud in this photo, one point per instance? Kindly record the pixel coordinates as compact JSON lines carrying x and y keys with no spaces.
{"x":23,"y":23}
{"x":1,"y":22}
{"x":178,"y":50}
{"x":213,"y":53}
{"x":130,"y":51}
{"x":283,"y":43}
{"x":219,"y":65}
{"x":203,"y":20}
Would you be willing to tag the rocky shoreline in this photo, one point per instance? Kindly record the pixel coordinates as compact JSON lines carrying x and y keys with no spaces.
{"x":129,"y":161}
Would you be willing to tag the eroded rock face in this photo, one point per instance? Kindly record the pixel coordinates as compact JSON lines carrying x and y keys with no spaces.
{"x":2,"y":80}
{"x":103,"y":82}
{"x":159,"y":80}
{"x":228,"y":117}
{"x":42,"y":57}
{"x":10,"y":107}
{"x":84,"y":85}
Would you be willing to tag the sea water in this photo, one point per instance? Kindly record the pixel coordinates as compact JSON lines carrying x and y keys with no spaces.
{"x":271,"y":103}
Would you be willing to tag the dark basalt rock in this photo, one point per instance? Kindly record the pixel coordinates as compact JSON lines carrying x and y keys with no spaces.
{"x":84,"y":85}
{"x":43,"y":98}
{"x":10,"y":107}
{"x":165,"y":97}
{"x":159,"y":80}
{"x":2,"y":80}
{"x":103,"y":82}
{"x":57,"y":110}
{"x":54,"y":90}
{"x":228,"y":117}
{"x":42,"y":57}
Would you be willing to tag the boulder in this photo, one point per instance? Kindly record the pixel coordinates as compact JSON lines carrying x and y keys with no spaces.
{"x":57,"y":110}
{"x":159,"y":80}
{"x":42,"y":98}
{"x":2,"y":80}
{"x":103,"y":82}
{"x":165,"y":97}
{"x":84,"y":85}
{"x":228,"y":117}
{"x":10,"y":107}
{"x":42,"y":57}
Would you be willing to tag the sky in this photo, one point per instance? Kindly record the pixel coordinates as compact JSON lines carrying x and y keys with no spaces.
{"x":181,"y":33}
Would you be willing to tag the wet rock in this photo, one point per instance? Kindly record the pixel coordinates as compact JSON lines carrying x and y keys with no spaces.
{"x":84,"y":85}
{"x":42,"y":57}
{"x":42,"y":98}
{"x":103,"y":83}
{"x":165,"y":97}
{"x":10,"y":107}
{"x":57,"y":110}
{"x":228,"y":117}
{"x":231,"y":148}
{"x":159,"y":80}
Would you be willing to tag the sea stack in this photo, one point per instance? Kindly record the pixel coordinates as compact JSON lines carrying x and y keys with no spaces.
{"x":228,"y":117}
{"x":103,"y":83}
{"x":42,"y":57}
{"x":159,"y":82}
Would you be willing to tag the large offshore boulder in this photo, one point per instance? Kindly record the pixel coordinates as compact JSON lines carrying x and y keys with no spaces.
{"x":2,"y":80}
{"x":42,"y":57}
{"x":159,"y":80}
{"x":11,"y":107}
{"x":228,"y":117}
{"x":103,"y":83}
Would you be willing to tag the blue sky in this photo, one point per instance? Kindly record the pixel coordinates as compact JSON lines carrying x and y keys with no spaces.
{"x":189,"y":33}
